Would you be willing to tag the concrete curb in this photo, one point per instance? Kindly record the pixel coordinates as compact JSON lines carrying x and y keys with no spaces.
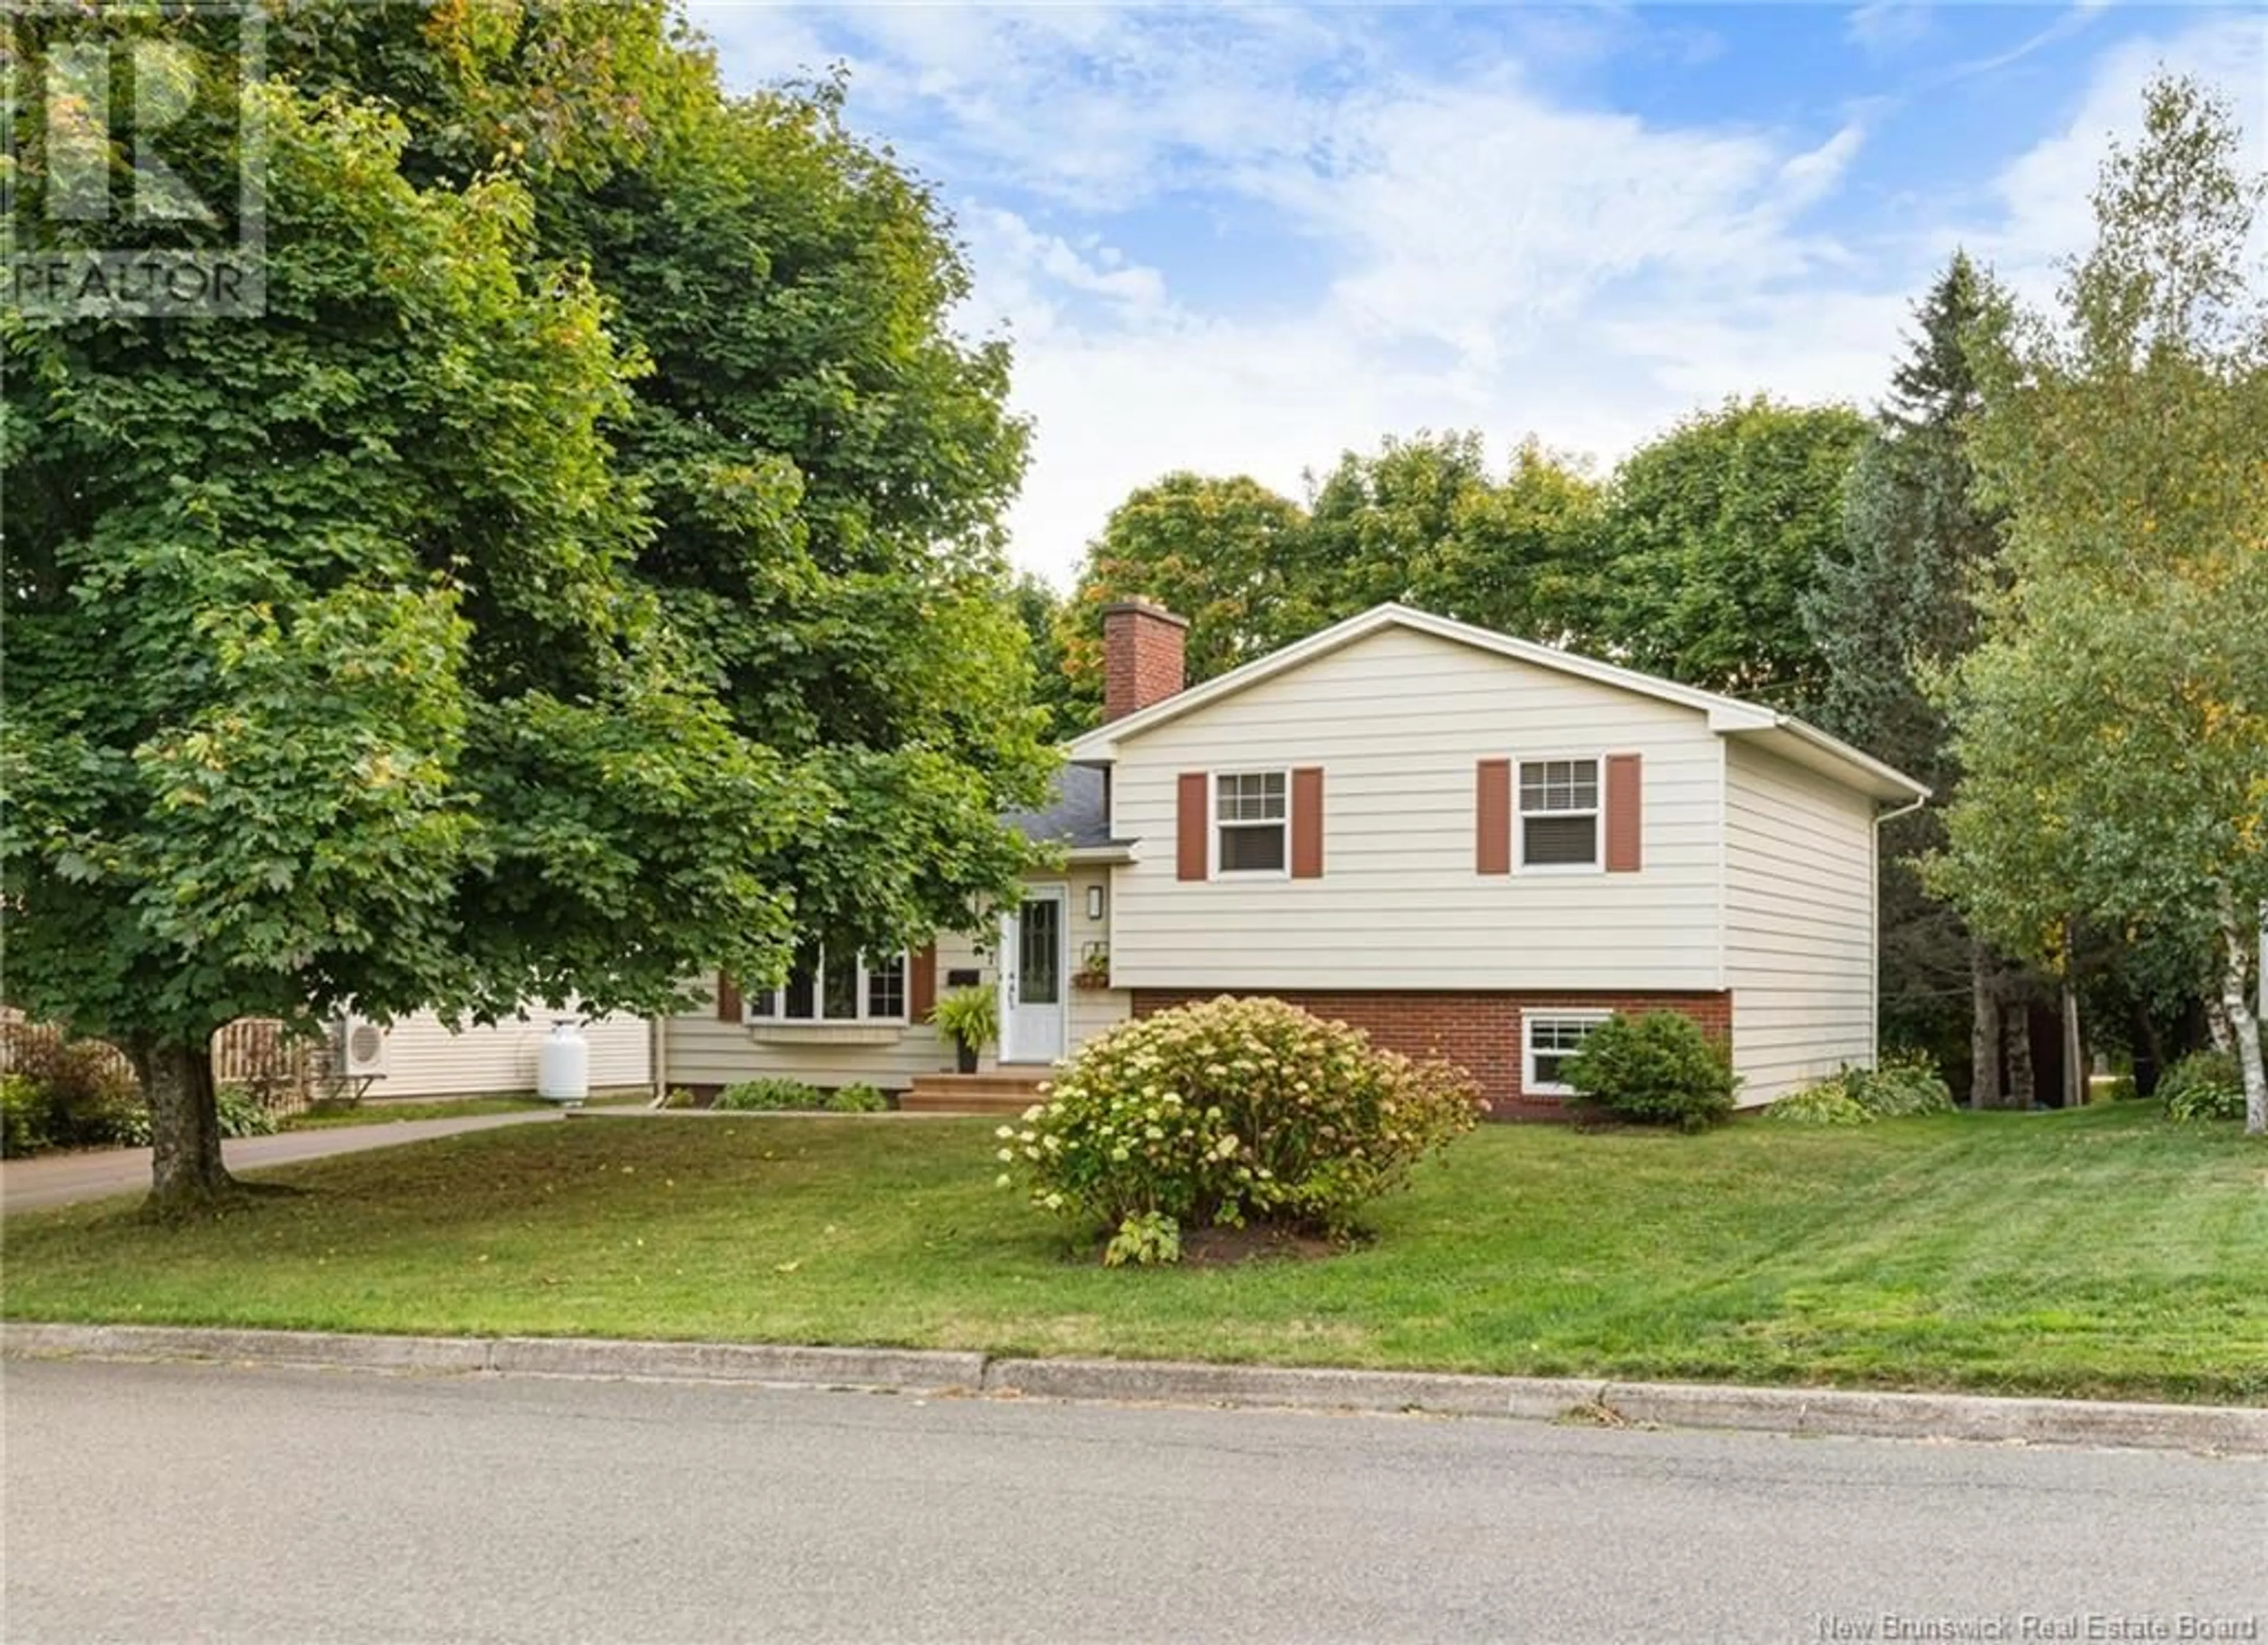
{"x":1167,"y":1381}
{"x":243,"y":1348}
{"x":908,"y":1370}
{"x":2234,"y":1430}
{"x":905,"y":1369}
{"x":2227,"y":1430}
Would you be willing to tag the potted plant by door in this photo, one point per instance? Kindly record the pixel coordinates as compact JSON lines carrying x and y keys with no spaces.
{"x":1093,"y":967}
{"x":970,"y":1017}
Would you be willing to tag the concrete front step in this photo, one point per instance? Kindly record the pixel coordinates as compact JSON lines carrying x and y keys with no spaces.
{"x":974,"y":1093}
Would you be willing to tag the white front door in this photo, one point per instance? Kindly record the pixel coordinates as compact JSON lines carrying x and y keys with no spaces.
{"x":1033,"y":962}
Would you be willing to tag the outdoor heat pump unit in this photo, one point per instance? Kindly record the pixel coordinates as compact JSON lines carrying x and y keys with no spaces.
{"x":362,"y":1049}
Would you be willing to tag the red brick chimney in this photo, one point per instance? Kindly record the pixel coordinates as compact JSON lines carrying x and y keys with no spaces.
{"x":1141,"y":655}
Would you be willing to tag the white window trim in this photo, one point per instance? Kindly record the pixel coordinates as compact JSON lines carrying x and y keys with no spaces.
{"x":1213,"y":824}
{"x":778,"y":997}
{"x":1530,"y":1016}
{"x":1598,"y":862}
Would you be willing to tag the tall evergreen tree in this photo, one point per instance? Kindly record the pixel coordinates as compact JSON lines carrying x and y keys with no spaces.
{"x":1892,"y":603}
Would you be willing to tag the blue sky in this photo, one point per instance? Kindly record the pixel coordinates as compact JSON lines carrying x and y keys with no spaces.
{"x":1240,"y":240}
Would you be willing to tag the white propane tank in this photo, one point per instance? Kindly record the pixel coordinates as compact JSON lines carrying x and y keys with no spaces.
{"x":562,"y":1067}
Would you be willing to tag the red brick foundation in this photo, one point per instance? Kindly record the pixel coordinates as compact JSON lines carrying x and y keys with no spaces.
{"x":1480,"y":1033}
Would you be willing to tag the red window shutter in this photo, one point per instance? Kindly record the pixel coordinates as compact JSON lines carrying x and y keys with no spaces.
{"x":1625,"y":814}
{"x":1492,"y":817}
{"x":921,"y":983}
{"x":728,"y":999}
{"x":1307,"y":822}
{"x":1190,"y":822}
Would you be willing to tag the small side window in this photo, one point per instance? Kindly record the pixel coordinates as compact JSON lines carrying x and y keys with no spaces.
{"x":1548,"y":1039}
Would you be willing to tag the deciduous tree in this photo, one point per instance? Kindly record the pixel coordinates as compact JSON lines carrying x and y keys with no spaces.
{"x":1221,"y":553}
{"x":2113,"y":725}
{"x":585,"y":573}
{"x":1712,"y":539}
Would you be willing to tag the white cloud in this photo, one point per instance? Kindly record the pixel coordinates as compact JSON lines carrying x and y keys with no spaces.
{"x":1887,"y":26}
{"x":1497,"y":260}
{"x":2044,"y":198}
{"x":1436,"y":247}
{"x":1813,"y":175}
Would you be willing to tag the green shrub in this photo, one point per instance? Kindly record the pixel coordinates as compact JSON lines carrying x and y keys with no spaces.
{"x":90,"y":1094}
{"x":2204,"y":1085}
{"x":1145,"y":1241}
{"x":1227,"y":1111}
{"x":1906,"y":1083}
{"x":242,"y":1113}
{"x":23,"y":1117}
{"x":773,"y":1095}
{"x":1658,"y":1068}
{"x":1824,"y":1102}
{"x":861,"y":1098}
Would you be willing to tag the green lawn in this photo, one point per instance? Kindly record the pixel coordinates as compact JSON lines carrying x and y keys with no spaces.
{"x":394,"y":1110}
{"x":2105,"y":1253}
{"x":327,"y":1115}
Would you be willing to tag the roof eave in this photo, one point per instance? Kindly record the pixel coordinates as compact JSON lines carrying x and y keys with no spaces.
{"x":1810,"y":746}
{"x":1116,"y":851}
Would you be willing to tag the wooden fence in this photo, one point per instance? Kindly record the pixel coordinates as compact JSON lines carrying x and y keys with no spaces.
{"x":284,"y":1071}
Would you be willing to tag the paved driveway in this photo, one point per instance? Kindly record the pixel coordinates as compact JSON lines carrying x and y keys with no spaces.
{"x":66,"y":1179}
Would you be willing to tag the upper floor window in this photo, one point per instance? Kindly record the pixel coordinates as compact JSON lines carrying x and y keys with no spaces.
{"x":824,"y":987}
{"x":1251,"y":822}
{"x":1560,"y":814}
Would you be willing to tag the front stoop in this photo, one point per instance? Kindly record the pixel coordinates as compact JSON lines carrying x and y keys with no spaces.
{"x":1002,"y":1091}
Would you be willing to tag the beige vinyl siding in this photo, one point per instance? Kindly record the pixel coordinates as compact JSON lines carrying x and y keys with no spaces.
{"x":424,"y":1059}
{"x":1397,"y":722}
{"x":702,"y":1051}
{"x":1799,"y":922}
{"x":1091,"y":1009}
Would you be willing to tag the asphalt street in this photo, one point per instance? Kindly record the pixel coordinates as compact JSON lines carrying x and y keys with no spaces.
{"x":151,"y":1503}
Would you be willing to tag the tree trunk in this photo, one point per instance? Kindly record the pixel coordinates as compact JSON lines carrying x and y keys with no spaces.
{"x":1984,"y":1032}
{"x":2016,"y":1027}
{"x":2216,"y":1025}
{"x":2076,"y":1089}
{"x":187,"y":1177}
{"x":2149,"y":1053}
{"x":2236,"y":939}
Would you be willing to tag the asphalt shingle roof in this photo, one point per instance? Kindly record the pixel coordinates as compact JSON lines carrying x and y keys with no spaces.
{"x":1077,"y":815}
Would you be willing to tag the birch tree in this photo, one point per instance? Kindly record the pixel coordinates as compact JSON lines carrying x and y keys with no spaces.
{"x":2113,"y":724}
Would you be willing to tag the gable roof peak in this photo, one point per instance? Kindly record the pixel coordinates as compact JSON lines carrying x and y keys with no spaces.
{"x":1726,"y":716}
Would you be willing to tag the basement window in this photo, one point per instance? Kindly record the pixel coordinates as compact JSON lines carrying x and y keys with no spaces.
{"x":1548,"y":1039}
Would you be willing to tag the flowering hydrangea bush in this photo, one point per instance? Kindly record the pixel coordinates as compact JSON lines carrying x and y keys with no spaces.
{"x":1231,"y":1111}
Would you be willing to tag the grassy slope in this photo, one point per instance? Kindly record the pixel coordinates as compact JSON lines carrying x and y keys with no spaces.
{"x":2105,"y":1252}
